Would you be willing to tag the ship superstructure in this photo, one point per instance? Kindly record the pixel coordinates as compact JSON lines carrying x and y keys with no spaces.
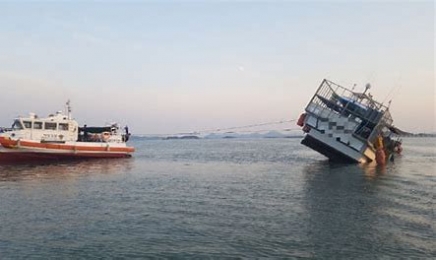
{"x":348,"y":126}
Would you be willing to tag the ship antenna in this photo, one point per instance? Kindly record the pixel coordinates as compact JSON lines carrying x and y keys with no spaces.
{"x":353,"y":94}
{"x":368,"y":86}
{"x":68,"y":109}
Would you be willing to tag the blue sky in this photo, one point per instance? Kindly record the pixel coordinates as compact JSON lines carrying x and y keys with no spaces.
{"x":169,"y":67}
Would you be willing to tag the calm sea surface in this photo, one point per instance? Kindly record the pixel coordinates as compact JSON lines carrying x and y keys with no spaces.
{"x":233,"y":198}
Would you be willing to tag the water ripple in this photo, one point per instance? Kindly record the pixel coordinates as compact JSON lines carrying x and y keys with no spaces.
{"x":221,"y":199}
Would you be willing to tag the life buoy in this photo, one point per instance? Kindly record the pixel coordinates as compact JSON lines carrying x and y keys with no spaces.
{"x":400,"y":149}
{"x":397,"y":148}
{"x":300,"y":121}
{"x":380,"y":156}
{"x":105,"y":136}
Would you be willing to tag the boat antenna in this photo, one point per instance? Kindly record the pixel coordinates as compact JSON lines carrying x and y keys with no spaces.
{"x":367,"y":87}
{"x":354,"y":86}
{"x":68,"y":109}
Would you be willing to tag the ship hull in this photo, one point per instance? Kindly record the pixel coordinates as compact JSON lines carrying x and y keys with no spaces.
{"x":334,"y":154}
{"x":337,"y":145}
{"x":20,"y":156}
{"x":30,"y":151}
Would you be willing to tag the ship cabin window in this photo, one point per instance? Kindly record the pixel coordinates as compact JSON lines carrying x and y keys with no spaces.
{"x":37,"y":125}
{"x":49,"y":126}
{"x":17,"y":125}
{"x":27,"y":124}
{"x":63,"y":127}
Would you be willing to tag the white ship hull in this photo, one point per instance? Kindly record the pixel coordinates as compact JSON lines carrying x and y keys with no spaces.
{"x":347,"y":126}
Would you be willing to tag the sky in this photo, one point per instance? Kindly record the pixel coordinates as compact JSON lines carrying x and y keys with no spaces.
{"x":164,"y":67}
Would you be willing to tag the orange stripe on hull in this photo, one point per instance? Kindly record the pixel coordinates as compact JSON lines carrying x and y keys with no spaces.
{"x":64,"y":150}
{"x":23,"y":157}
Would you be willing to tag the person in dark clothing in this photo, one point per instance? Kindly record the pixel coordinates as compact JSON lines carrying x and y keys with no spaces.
{"x":85,"y":133}
{"x":127,"y":134}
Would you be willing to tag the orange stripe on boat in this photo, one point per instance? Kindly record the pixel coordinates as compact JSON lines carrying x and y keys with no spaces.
{"x":9,"y":143}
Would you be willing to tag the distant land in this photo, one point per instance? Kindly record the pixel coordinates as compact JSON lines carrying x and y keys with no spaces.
{"x":235,"y":135}
{"x":421,"y":135}
{"x":227,"y":135}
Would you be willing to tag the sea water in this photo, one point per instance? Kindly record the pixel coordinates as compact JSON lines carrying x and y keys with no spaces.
{"x":228,"y":198}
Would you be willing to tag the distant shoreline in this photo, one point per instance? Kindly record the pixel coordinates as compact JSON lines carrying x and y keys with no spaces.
{"x":420,"y":135}
{"x":193,"y":137}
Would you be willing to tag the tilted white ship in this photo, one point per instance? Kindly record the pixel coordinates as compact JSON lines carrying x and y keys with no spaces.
{"x":348,"y":126}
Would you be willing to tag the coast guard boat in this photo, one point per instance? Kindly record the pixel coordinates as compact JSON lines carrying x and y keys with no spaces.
{"x":348,"y":126}
{"x":59,"y":136}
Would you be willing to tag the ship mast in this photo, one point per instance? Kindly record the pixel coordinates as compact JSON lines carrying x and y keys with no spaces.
{"x":68,"y":109}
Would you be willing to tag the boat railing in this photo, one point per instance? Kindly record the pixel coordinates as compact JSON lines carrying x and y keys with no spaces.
{"x":385,"y":121}
{"x":5,"y":129}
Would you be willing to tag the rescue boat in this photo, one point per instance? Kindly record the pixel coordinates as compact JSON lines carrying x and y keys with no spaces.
{"x":348,"y":126}
{"x":59,"y":136}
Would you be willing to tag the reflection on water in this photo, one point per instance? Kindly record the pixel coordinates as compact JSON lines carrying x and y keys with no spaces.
{"x":220,"y":199}
{"x":370,"y":210}
{"x":64,"y":169}
{"x":339,"y":210}
{"x":373,"y":171}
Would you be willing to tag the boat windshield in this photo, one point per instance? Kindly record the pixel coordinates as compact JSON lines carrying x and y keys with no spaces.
{"x":17,"y":125}
{"x":346,"y":100}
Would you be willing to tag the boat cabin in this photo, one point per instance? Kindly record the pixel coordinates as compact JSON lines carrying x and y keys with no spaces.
{"x":60,"y":128}
{"x":54,"y":128}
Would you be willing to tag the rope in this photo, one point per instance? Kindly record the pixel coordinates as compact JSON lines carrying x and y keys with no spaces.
{"x":239,"y":127}
{"x":394,"y":90}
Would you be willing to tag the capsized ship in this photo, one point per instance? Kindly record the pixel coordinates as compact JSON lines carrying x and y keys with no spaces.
{"x":59,"y":136}
{"x":348,"y":126}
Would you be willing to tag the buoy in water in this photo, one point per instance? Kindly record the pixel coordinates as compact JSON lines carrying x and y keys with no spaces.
{"x":380,"y":156}
{"x":300,"y":121}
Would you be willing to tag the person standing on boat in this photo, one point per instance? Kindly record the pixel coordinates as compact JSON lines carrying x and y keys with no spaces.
{"x":127,"y":134}
{"x":85,"y":133}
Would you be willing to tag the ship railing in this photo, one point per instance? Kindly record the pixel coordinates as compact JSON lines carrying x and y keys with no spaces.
{"x":5,"y":129}
{"x":329,"y":91}
{"x":385,"y":122}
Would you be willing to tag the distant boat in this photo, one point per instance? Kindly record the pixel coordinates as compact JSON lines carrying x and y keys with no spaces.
{"x":58,"y":136}
{"x":348,"y":126}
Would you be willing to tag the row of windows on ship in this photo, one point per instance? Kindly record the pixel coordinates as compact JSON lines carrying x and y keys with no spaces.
{"x":18,"y":125}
